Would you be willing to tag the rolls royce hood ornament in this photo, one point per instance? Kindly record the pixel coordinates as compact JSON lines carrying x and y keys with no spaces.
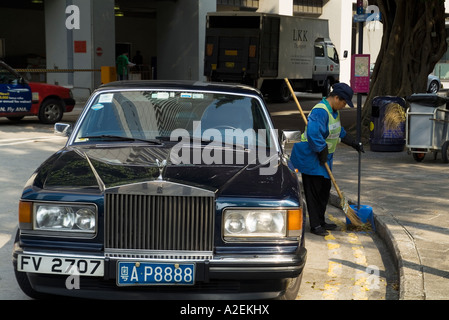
{"x":161,"y":165}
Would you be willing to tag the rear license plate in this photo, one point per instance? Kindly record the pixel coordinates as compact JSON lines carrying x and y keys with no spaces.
{"x":150,"y":273}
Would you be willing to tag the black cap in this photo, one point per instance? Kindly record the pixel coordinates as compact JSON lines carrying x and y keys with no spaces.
{"x":344,"y":91}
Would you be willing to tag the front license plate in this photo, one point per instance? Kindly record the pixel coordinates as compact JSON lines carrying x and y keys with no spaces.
{"x":150,"y":273}
{"x":60,"y":265}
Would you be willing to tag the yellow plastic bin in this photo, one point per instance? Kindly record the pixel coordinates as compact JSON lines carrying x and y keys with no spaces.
{"x":108,"y":74}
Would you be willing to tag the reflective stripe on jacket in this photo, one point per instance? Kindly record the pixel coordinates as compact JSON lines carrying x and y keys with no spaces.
{"x":333,"y":138}
{"x":304,"y":155}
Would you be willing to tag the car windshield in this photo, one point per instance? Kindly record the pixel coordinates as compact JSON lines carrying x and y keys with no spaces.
{"x":6,"y":76}
{"x":159,"y":116}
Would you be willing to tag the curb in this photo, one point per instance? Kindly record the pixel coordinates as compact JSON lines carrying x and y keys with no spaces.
{"x":402,"y":248}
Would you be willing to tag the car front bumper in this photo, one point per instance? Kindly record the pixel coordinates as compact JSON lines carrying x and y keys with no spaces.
{"x":222,"y":277}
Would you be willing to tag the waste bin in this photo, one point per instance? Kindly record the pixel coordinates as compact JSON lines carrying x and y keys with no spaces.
{"x":383,"y":136}
{"x":427,"y":126}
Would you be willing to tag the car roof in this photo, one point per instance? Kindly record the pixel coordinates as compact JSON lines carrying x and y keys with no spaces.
{"x":182,"y":85}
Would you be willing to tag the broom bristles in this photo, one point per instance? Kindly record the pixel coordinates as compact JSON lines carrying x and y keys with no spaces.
{"x":350,"y":213}
{"x":394,"y":116}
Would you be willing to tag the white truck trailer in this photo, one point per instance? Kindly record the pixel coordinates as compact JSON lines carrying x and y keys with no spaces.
{"x":263,"y":49}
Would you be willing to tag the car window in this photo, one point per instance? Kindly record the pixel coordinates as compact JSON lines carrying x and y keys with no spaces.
{"x":162,"y":114}
{"x":6,"y":77}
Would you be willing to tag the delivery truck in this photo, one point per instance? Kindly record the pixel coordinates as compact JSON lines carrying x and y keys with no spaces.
{"x":263,"y":49}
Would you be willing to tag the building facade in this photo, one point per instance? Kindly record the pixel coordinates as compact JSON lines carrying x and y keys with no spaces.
{"x":169,"y":34}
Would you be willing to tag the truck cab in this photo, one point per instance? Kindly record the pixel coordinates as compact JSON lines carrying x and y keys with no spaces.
{"x":326,"y":65}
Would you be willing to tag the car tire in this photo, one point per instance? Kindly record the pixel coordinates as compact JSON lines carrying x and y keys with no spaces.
{"x":292,"y":289}
{"x":51,"y":111}
{"x":433,"y":87}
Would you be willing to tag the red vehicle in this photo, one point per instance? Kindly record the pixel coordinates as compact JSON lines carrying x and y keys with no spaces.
{"x":20,"y":98}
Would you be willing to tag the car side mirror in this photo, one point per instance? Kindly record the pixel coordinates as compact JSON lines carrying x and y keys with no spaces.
{"x":290,"y":137}
{"x":63,"y":129}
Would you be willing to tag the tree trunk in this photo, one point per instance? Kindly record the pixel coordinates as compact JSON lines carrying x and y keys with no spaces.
{"x":414,"y":40}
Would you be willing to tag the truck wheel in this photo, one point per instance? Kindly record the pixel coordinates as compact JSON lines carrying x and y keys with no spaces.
{"x":284,"y":92}
{"x":51,"y":111}
{"x":326,"y":88}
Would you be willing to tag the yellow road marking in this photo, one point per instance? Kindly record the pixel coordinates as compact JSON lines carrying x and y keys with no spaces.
{"x":331,"y":288}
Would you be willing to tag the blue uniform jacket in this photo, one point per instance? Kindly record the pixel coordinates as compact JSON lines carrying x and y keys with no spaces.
{"x":305,"y":154}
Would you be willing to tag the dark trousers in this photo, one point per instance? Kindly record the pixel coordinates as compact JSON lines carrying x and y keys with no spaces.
{"x":317,"y":191}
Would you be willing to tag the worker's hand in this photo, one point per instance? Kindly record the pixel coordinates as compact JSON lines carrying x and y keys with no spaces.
{"x":350,"y":141}
{"x":322,"y":156}
{"x":359,"y":147}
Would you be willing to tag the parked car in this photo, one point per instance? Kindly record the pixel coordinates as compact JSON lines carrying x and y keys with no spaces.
{"x":433,"y":82}
{"x":20,"y":98}
{"x":165,"y":190}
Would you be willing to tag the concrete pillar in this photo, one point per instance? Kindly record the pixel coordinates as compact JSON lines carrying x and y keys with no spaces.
{"x":80,"y":34}
{"x":282,"y":7}
{"x":340,"y":16}
{"x":181,"y":29}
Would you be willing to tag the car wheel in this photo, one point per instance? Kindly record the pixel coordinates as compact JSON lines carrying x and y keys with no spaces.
{"x":51,"y":111}
{"x":292,"y":289}
{"x":434,"y":87}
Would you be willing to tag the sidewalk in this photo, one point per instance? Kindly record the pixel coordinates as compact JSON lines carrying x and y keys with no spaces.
{"x":410,"y":201}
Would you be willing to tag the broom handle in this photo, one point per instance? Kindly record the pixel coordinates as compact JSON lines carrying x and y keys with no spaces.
{"x":305,"y":121}
{"x":296,"y":100}
{"x":333,"y":180}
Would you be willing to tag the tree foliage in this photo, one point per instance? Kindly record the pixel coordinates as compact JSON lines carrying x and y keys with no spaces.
{"x":414,"y":40}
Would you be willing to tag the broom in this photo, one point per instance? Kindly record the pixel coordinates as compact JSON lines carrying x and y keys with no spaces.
{"x":349,"y":212}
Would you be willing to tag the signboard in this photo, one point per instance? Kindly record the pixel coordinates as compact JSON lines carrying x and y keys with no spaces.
{"x":370,"y":13}
{"x":360,"y":73}
{"x":80,"y":46}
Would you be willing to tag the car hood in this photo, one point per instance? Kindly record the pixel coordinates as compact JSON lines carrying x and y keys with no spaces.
{"x":38,"y":86}
{"x":108,"y":167}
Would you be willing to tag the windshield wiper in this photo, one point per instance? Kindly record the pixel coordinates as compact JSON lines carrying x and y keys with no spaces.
{"x":121,"y":138}
{"x":223,"y":143}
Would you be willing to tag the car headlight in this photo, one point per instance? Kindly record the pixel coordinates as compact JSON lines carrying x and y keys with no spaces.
{"x":257,"y":223}
{"x":79,"y":218}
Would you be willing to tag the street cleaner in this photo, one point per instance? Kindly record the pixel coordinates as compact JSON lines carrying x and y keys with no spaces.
{"x":317,"y":146}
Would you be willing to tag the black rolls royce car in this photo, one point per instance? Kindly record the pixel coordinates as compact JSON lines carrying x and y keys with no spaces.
{"x":164,"y":190}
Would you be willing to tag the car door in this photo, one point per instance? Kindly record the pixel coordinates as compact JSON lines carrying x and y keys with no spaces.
{"x":333,"y":61}
{"x":15,"y":93}
{"x":320,"y":62}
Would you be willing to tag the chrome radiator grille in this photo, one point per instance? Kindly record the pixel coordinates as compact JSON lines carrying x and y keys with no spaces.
{"x":154,"y":222}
